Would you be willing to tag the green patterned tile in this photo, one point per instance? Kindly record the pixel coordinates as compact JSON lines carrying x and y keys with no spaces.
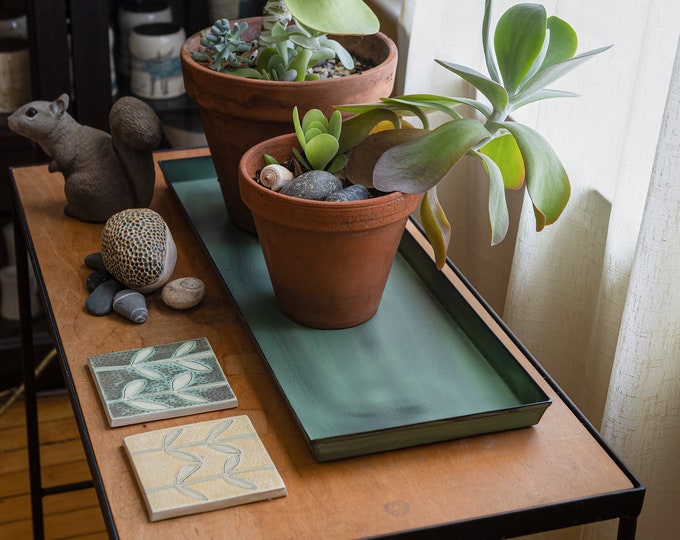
{"x":163,"y":381}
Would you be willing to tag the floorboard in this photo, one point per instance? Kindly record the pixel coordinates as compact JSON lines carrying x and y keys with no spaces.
{"x":63,"y":461}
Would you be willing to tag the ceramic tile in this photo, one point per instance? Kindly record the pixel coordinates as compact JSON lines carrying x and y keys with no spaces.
{"x":202,"y":466}
{"x":163,"y":381}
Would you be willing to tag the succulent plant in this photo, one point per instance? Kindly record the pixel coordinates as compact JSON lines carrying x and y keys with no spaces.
{"x":529,"y":51}
{"x":286,"y":52}
{"x":223,"y":47}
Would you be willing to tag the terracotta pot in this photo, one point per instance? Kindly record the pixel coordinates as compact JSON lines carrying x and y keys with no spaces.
{"x":328,"y":261}
{"x":237,"y":113}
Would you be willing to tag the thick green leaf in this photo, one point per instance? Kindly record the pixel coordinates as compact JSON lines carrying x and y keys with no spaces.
{"x":313,"y":116}
{"x":343,"y":55}
{"x":417,"y":166}
{"x":436,"y":226}
{"x":320,"y":150}
{"x":494,"y":92}
{"x":518,"y":40}
{"x":551,"y":73}
{"x":537,"y":96}
{"x":338,"y":164}
{"x":313,"y":132}
{"x":506,"y":156}
{"x":357,"y":128}
{"x":350,"y":17}
{"x":304,"y":41}
{"x":428,"y":103}
{"x":335,"y":124}
{"x":547,"y":181}
{"x":362,"y":160}
{"x":299,"y":64}
{"x":563,"y":42}
{"x":499,"y":220}
{"x":299,"y":130}
{"x":486,"y":42}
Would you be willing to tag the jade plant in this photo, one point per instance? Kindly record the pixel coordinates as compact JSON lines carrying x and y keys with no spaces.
{"x":285,"y":51}
{"x":529,"y":51}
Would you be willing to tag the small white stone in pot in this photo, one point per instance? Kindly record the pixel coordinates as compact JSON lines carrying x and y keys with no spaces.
{"x":183,"y":293}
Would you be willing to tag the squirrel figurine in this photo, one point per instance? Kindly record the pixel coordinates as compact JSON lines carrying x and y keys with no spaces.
{"x":103,"y":173}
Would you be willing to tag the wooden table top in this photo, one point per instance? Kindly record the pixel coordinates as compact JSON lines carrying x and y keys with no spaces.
{"x":555,"y":461}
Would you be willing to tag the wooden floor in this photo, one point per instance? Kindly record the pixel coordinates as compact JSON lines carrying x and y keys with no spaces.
{"x":69,"y":515}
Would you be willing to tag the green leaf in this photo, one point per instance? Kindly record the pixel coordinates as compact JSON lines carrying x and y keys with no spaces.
{"x":563,"y":42}
{"x":362,"y":160}
{"x":321,"y":150}
{"x":335,"y":124}
{"x":338,"y":164}
{"x":313,"y":132}
{"x":269,"y":159}
{"x":550,"y":74}
{"x":312,"y":116}
{"x":343,"y":55}
{"x":486,"y":41}
{"x":539,"y":95}
{"x":506,"y":156}
{"x":299,"y":129}
{"x":494,"y":92}
{"x":357,"y":128}
{"x":518,"y":40}
{"x":348,"y":17}
{"x":499,"y":220}
{"x":546,"y":180}
{"x":304,"y":41}
{"x":300,"y":64}
{"x":425,"y":103}
{"x":417,"y":166}
{"x":436,"y":226}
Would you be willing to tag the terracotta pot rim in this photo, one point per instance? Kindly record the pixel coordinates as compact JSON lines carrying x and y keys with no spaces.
{"x":361,"y":210}
{"x":191,"y":44}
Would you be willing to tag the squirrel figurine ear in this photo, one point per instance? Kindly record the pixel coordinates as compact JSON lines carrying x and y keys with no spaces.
{"x":58,"y":106}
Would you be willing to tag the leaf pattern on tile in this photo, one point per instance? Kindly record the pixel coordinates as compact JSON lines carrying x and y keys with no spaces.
{"x":133,"y":388}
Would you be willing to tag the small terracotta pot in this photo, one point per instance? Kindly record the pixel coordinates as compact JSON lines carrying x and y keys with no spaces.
{"x":328,"y":261}
{"x":238,"y":113}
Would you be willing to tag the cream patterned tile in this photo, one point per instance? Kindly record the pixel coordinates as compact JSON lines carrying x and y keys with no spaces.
{"x":202,"y":466}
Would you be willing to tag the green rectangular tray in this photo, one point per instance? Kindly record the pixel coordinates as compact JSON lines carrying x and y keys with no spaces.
{"x":426,"y":368}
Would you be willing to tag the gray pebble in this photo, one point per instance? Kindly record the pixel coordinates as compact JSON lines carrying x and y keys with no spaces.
{"x":95,"y":279}
{"x":183,"y":293}
{"x":313,"y":185}
{"x":355,"y":192}
{"x":100,"y":301}
{"x":131,"y":305}
{"x":94,"y":261}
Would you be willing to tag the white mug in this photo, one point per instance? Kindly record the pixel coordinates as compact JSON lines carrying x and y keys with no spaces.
{"x":133,"y":14}
{"x":15,"y":74}
{"x":156,"y":68}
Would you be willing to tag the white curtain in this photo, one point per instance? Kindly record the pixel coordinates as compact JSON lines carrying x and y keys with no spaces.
{"x":592,"y":296}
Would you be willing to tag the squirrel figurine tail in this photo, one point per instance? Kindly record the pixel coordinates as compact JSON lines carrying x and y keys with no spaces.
{"x":103,"y":173}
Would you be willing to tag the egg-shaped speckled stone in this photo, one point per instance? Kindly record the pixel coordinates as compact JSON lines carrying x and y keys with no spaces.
{"x":138,"y":249}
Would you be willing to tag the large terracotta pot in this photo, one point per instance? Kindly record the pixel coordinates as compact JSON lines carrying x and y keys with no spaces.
{"x":237,"y":113}
{"x":328,"y":261}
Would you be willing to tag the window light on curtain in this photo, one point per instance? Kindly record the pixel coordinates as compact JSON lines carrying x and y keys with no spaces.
{"x":593,"y":297}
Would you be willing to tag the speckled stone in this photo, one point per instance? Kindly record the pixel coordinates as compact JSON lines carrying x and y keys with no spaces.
{"x":131,"y":305}
{"x":355,"y":192}
{"x":312,"y":185}
{"x":100,"y":301}
{"x":183,"y":293}
{"x":94,"y":261}
{"x":95,"y":279}
{"x":138,"y":249}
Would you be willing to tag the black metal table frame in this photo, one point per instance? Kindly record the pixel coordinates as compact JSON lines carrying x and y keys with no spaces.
{"x":624,"y":505}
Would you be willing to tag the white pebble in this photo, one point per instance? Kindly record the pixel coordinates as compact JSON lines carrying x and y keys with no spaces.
{"x":183,"y":293}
